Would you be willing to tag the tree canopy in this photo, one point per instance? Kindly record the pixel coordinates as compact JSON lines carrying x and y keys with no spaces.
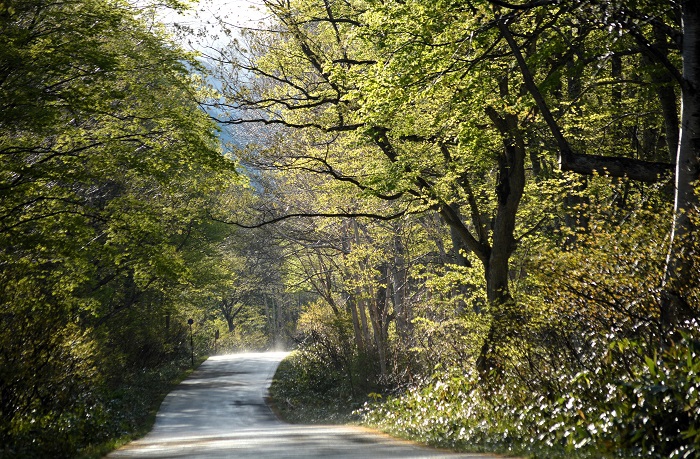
{"x":487,"y":206}
{"x":529,"y":166}
{"x":110,"y":171}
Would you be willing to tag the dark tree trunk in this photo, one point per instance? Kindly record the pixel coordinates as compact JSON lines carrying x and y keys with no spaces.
{"x":509,"y":190}
{"x":666,"y":93}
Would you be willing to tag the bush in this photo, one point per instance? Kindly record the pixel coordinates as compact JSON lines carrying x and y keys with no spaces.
{"x":655,"y":411}
{"x":449,"y":412}
{"x":647,"y":409}
{"x":306,"y":391}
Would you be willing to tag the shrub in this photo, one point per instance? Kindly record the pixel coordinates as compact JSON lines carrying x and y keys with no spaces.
{"x":306,"y":390}
{"x":655,"y":411}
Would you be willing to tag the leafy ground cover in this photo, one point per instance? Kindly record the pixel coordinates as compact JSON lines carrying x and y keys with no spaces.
{"x":648,"y":410}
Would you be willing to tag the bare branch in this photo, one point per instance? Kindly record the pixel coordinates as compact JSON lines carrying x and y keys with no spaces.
{"x":340,"y":128}
{"x":524,"y":6}
{"x":312,"y":215}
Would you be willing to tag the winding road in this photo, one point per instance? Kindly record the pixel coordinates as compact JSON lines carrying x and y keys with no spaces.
{"x":220,"y":412}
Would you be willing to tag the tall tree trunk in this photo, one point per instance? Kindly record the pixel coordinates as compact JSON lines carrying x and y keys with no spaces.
{"x":352,"y":298}
{"x":681,"y":263}
{"x":399,"y":285}
{"x":666,"y":93}
{"x":574,"y":201}
{"x":509,"y":190}
{"x":357,"y":331}
{"x":377,"y":318}
{"x":360,"y":300}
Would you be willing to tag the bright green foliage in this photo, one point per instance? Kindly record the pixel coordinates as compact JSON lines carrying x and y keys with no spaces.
{"x":454,"y":118}
{"x":241,"y":285}
{"x":108,"y":173}
{"x":584,"y":375}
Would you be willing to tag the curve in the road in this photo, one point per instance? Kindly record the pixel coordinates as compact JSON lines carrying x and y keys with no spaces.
{"x":220,"y":412}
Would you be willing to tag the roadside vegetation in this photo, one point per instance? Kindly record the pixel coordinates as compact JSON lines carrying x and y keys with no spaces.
{"x":131,"y":408}
{"x":477,"y":221}
{"x":501,"y":216}
{"x":305,"y":391}
{"x":110,"y":177}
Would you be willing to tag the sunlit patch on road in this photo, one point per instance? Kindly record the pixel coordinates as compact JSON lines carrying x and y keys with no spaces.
{"x":220,"y":412}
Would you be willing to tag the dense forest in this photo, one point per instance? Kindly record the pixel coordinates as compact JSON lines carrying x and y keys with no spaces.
{"x":477,"y":221}
{"x":111,"y":176}
{"x":501,"y":213}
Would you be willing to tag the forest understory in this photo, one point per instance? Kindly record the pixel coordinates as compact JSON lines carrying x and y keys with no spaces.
{"x":476,"y":222}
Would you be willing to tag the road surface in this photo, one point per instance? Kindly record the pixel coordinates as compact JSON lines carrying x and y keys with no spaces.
{"x":220,"y":412}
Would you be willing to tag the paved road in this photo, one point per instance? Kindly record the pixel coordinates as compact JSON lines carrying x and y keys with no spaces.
{"x":220,"y":412}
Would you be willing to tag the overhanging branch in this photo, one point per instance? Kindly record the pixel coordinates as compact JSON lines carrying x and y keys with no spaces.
{"x":338,"y":128}
{"x":312,"y":215}
{"x":614,"y":166}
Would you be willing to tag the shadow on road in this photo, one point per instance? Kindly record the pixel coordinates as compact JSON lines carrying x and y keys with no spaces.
{"x":220,"y":412}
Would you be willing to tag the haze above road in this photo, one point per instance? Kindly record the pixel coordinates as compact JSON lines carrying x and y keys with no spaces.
{"x":220,"y":412}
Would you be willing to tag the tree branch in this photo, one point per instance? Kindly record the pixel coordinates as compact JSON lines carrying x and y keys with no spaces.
{"x":524,"y":6}
{"x":311,"y":215}
{"x":340,"y":128}
{"x":644,"y":171}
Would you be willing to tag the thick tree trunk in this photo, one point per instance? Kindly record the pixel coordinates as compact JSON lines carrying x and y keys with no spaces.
{"x":681,"y":264}
{"x":509,"y":189}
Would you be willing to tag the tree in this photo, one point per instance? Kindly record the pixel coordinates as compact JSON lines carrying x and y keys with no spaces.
{"x":325,"y":78}
{"x":543,"y":134}
{"x":464,"y":110}
{"x":657,"y":36}
{"x":681,"y":267}
{"x":108,"y":171}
